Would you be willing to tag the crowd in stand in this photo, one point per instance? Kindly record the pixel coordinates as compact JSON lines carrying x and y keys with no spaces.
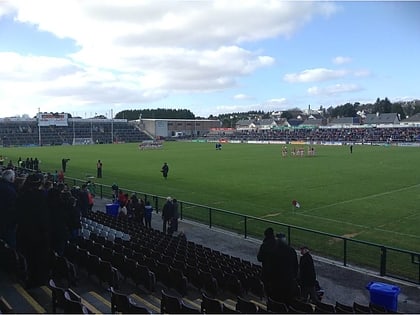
{"x":361,"y":135}
{"x":137,"y":210}
{"x":38,"y":216}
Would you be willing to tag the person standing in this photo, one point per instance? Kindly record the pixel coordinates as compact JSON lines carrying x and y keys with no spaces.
{"x":279,"y":266}
{"x":307,"y":275}
{"x":165,"y":170}
{"x":167,"y":214}
{"x":33,"y":230}
{"x":8,"y":196}
{"x":99,"y":169}
{"x":148,"y":209}
{"x":64,"y":164}
{"x":267,"y":256}
{"x":351,"y":148}
{"x":174,"y":221}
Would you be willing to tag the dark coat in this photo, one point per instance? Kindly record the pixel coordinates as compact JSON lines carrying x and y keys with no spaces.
{"x":8,"y":197}
{"x":279,"y":268}
{"x":267,"y":256}
{"x":307,"y":275}
{"x":33,"y":231}
{"x":168,"y":211}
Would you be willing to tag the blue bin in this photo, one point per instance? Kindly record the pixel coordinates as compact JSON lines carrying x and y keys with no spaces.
{"x":112,"y":209}
{"x":384,"y":294}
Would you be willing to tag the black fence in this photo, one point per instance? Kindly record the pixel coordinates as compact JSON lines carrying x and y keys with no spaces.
{"x":386,"y":261}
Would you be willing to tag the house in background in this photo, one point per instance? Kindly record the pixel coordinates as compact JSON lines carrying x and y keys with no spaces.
{"x":381,"y":119}
{"x":413,"y":121}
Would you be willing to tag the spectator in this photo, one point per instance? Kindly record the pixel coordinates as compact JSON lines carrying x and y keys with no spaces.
{"x":69,"y":203}
{"x":122,"y":198}
{"x":174,"y":221}
{"x":148,"y":210}
{"x":115,"y":190}
{"x":8,"y":195}
{"x":167,"y":214}
{"x":138,"y":209}
{"x":83,"y":200}
{"x":307,"y":276}
{"x":279,"y":267}
{"x":123,"y":213}
{"x":91,"y":199}
{"x":33,"y":231}
{"x":59,"y":218}
{"x":267,"y":256}
{"x":60,"y":177}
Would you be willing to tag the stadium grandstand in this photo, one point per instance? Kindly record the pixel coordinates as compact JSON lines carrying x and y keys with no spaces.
{"x":33,"y":132}
{"x":59,"y":129}
{"x":374,"y":129}
{"x":118,"y":266}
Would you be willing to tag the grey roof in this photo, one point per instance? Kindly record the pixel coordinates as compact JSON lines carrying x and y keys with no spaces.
{"x":265,"y":122}
{"x":313,"y":122}
{"x":384,"y":118}
{"x":345,"y":121}
{"x":414,"y":118}
{"x":244,"y":122}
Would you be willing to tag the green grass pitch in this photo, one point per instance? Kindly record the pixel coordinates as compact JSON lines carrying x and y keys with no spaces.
{"x":372,"y":194}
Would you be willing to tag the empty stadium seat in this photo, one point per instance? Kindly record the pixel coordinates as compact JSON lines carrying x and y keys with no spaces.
{"x":122,"y":303}
{"x":170,"y":304}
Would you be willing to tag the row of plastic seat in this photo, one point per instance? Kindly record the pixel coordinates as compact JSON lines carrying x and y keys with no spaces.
{"x":210,"y":269}
{"x":70,"y":302}
{"x":89,"y":226}
{"x":197,"y":262}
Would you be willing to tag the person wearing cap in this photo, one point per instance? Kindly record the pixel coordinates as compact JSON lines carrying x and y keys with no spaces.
{"x":307,"y":275}
{"x":8,"y":195}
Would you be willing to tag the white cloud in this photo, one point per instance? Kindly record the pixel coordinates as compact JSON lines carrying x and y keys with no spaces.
{"x":241,"y":97}
{"x":333,"y":89}
{"x":142,"y":50}
{"x":314,"y":75}
{"x":267,"y":106}
{"x":339,"y":60}
{"x":5,"y":8}
{"x":362,"y":73}
{"x":276,"y":102}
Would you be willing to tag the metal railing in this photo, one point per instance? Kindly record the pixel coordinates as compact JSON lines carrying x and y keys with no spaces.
{"x":385,"y":260}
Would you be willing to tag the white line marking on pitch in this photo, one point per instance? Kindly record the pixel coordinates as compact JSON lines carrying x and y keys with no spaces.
{"x":362,"y":198}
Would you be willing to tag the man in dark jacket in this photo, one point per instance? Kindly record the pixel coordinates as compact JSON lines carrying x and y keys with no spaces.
{"x":279,"y":267}
{"x":8,"y":197}
{"x":307,"y":275}
{"x":167,"y":213}
{"x":267,"y":256}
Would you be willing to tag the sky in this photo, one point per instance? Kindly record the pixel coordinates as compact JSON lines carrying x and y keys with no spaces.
{"x":99,"y":57}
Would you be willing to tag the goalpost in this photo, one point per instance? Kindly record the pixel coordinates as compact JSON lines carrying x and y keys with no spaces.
{"x":82,"y":141}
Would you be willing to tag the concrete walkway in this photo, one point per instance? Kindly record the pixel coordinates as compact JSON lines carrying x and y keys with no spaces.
{"x":343,"y":284}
